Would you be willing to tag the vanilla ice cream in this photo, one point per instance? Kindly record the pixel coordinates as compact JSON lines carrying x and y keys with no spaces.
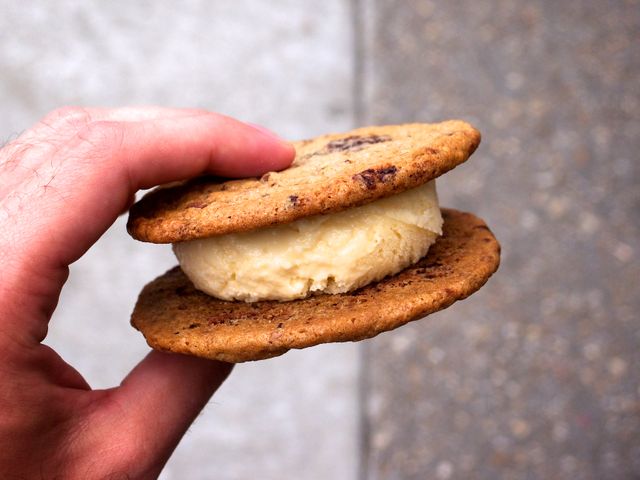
{"x":332,"y":253}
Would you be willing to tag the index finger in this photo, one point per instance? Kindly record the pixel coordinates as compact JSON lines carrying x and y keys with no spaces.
{"x":77,"y":189}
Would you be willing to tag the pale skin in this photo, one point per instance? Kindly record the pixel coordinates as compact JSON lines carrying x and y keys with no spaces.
{"x":62,"y":184}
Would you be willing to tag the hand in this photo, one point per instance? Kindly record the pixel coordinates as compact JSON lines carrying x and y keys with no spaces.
{"x":62,"y":184}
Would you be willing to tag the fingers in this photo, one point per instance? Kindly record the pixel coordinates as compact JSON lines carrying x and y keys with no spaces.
{"x":168,"y":149}
{"x":81,"y":173}
{"x":107,"y":162}
{"x":163,"y":395}
{"x":165,"y":133}
{"x":71,"y":176}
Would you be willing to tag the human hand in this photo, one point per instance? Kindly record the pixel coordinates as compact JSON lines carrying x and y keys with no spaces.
{"x":62,"y":184}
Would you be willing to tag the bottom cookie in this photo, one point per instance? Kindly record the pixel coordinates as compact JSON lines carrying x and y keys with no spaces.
{"x":174,"y":316}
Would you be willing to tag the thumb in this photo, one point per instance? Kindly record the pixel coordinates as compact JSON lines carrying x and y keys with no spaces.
{"x":163,"y":395}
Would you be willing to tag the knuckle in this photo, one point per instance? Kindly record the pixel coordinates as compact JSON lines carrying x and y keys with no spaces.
{"x":102,"y":135}
{"x":64,"y":120}
{"x":68,"y":115}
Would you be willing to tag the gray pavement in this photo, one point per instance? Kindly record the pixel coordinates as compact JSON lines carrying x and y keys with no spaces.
{"x":536,"y":376}
{"x":282,"y":418}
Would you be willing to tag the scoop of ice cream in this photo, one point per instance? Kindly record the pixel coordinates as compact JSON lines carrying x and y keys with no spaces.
{"x":332,"y":253}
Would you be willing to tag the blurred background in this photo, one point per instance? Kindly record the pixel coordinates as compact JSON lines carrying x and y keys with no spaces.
{"x":537,"y":376}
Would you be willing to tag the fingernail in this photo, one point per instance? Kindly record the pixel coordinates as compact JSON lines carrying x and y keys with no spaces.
{"x":267,"y":132}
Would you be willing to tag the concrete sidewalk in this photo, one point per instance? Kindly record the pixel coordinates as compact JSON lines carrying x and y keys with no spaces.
{"x":286,"y":66}
{"x":537,"y":375}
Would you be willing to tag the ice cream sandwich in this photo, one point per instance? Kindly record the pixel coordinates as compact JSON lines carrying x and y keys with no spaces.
{"x":346,"y":243}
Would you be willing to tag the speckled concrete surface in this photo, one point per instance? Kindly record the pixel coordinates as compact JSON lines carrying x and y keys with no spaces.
{"x":538,"y":375}
{"x":283,"y":418}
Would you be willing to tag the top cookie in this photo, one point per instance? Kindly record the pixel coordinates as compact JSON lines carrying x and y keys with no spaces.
{"x":330,"y":173}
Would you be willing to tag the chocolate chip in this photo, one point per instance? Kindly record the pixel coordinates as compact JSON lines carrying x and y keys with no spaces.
{"x":352,"y":143}
{"x":367,"y":177}
{"x":372,"y":176}
{"x":294,"y":200}
{"x":384,"y":172}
